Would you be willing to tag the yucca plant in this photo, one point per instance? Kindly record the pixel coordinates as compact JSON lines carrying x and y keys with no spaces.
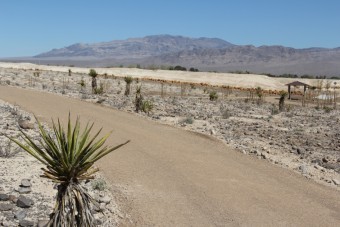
{"x":283,"y":95}
{"x":69,"y":157}
{"x":139,"y":99}
{"x":147,"y":106}
{"x":94,"y":75}
{"x":128,"y":80}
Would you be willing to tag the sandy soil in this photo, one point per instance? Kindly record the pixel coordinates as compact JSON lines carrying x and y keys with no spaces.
{"x":171,"y":177}
{"x":237,"y":80}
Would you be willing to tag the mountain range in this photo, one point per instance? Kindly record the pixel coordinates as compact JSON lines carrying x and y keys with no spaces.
{"x":206,"y":54}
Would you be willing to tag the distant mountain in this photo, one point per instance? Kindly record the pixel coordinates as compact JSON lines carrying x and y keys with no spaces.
{"x":263,"y":59}
{"x":137,"y":47}
{"x":209,"y":54}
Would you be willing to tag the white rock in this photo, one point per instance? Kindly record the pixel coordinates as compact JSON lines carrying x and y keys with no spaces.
{"x":105,"y":199}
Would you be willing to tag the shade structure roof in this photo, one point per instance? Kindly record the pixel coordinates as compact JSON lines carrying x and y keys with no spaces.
{"x":297,"y":83}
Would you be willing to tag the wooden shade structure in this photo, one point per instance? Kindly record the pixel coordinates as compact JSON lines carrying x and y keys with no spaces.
{"x":296,"y":84}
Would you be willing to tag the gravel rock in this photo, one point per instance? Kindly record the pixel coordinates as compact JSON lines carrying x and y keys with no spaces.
{"x":26,"y":223}
{"x":105,"y":199}
{"x":23,"y":190}
{"x":25,"y":183}
{"x":6,"y":223}
{"x":12,"y":198}
{"x":4,"y":197}
{"x":25,"y":124}
{"x":303,"y":169}
{"x":6,"y":207}
{"x":20,"y":214}
{"x":24,"y":202}
{"x":300,"y":151}
{"x":42,"y":223}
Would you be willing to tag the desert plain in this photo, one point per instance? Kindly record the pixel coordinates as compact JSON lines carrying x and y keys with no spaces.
{"x":233,"y":161}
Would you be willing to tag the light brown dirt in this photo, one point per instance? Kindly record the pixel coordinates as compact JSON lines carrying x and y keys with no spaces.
{"x":171,"y":177}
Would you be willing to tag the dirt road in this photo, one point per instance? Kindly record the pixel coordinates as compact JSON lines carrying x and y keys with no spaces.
{"x":171,"y":177}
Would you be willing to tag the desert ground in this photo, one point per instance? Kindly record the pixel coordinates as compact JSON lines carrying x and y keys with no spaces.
{"x":237,"y":162}
{"x":244,"y":80}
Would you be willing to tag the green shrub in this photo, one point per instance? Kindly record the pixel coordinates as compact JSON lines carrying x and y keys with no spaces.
{"x":128,"y":80}
{"x":213,"y":96}
{"x":94,"y":75}
{"x":100,"y":90}
{"x":147,"y":106}
{"x":188,"y":120}
{"x":327,"y":109}
{"x":139,"y":99}
{"x":99,"y":185}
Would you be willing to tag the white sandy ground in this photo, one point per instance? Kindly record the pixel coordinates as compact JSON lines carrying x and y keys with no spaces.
{"x":228,"y":79}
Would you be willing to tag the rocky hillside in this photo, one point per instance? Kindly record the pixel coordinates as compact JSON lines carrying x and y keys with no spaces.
{"x":137,"y":47}
{"x":206,"y":54}
{"x":263,"y":59}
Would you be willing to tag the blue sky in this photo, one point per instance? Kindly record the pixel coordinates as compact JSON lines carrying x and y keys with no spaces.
{"x":29,"y":27}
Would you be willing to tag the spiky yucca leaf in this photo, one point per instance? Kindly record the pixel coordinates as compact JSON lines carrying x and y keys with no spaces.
{"x":69,"y":157}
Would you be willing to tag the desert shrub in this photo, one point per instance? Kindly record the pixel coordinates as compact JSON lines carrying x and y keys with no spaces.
{"x":187,"y":120}
{"x":193,"y":69}
{"x":7,"y":151}
{"x":128,"y":80}
{"x":147,"y":106}
{"x":289,"y":108}
{"x":274,"y":110}
{"x":226,"y":114}
{"x":213,"y":96}
{"x":259,"y":93}
{"x":180,"y":68}
{"x":13,"y":110}
{"x":94,"y":75}
{"x":283,"y":95}
{"x":84,"y":96}
{"x":82,"y":83}
{"x":100,"y":90}
{"x":69,"y":156}
{"x":139,"y":99}
{"x":98,"y":185}
{"x":327,"y":109}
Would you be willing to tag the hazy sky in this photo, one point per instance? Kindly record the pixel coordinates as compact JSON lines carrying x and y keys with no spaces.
{"x":29,"y":27}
